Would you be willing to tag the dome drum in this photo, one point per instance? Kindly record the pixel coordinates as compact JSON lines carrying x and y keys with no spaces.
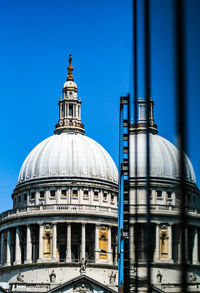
{"x":66,"y":195}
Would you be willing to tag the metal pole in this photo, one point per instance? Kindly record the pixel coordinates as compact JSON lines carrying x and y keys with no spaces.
{"x":135,"y":125}
{"x":181,"y":125}
{"x":147,"y":94}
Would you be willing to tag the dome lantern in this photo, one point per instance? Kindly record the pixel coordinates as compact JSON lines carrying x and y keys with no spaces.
{"x":141,"y":126}
{"x":69,"y":106}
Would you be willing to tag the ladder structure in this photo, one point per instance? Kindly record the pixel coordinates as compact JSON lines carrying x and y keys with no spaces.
{"x":123,"y":220}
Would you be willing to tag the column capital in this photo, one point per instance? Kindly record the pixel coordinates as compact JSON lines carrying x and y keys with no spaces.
{"x":170,"y":224}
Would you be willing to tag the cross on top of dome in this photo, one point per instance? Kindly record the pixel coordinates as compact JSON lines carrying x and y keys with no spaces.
{"x":70,"y":69}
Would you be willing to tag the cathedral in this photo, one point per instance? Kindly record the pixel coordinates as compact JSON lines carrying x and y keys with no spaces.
{"x":61,"y":234}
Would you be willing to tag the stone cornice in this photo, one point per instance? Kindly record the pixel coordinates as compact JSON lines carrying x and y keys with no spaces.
{"x":66,"y":182}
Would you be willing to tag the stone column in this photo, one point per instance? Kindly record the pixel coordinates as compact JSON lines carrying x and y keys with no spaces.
{"x":54,"y":246}
{"x":170,"y":242}
{"x":40,"y":242}
{"x":17,"y":247}
{"x":28,"y":245}
{"x":109,"y":252}
{"x":179,"y":245}
{"x":131,"y":242}
{"x":116,"y":255}
{"x":69,"y":252}
{"x":186,"y":244}
{"x":67,"y":110}
{"x":195,"y":247}
{"x":96,"y":243}
{"x":157,"y":242}
{"x":8,"y":247}
{"x":83,"y":240}
{"x":131,"y":249}
{"x":2,"y":238}
{"x":60,"y":110}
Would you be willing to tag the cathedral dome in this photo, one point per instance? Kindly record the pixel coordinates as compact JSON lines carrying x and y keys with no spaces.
{"x":163,"y":158}
{"x":69,"y":155}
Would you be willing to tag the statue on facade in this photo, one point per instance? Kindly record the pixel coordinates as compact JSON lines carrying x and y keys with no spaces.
{"x":83,"y":265}
{"x":193,"y":278}
{"x":20,"y":277}
{"x":52,"y":276}
{"x":112,"y":278}
{"x":82,"y":288}
{"x":159,"y":277}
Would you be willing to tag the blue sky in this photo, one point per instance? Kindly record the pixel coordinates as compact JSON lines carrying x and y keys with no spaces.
{"x":36,"y":39}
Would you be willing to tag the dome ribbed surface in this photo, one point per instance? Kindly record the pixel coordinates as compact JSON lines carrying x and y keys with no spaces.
{"x":163,"y":158}
{"x":69,"y":155}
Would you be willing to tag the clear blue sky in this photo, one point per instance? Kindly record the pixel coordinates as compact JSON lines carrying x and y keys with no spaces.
{"x":36,"y":39}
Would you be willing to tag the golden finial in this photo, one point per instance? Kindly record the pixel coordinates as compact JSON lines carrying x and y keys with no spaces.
{"x":70,"y":69}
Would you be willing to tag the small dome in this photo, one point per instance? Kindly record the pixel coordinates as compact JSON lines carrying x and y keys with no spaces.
{"x":69,"y":155}
{"x":163,"y":158}
{"x":70,"y":84}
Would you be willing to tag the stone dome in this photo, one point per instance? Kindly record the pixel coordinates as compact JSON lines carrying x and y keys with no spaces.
{"x":69,"y":155}
{"x":163,"y":158}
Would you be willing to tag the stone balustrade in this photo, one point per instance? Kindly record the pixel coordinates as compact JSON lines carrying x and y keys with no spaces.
{"x":60,"y":208}
{"x":93,"y":209}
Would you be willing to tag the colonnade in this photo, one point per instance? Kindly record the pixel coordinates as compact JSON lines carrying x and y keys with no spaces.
{"x":166,"y":243}
{"x":16,"y":244}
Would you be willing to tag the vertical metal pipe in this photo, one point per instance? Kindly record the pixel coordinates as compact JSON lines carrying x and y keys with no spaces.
{"x":128,"y":182}
{"x":135,"y":89}
{"x":181,"y":125}
{"x":147,"y":94}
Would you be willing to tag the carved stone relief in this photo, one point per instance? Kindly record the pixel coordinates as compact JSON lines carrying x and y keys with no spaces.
{"x":82,"y":287}
{"x":20,"y":277}
{"x":112,"y":278}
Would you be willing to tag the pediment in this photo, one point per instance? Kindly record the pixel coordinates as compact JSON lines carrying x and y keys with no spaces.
{"x":82,"y":284}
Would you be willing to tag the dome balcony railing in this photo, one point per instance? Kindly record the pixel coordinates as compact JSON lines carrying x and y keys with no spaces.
{"x":71,"y":123}
{"x":156,"y":208}
{"x":93,"y":209}
{"x":60,"y":208}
